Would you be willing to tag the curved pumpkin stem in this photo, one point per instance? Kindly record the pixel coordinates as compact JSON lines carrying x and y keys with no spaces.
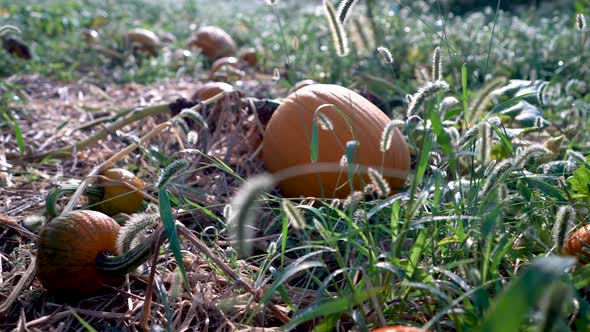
{"x":123,"y":264}
{"x":54,"y":195}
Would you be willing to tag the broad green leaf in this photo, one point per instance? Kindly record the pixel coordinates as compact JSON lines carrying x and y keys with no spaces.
{"x":580,"y":181}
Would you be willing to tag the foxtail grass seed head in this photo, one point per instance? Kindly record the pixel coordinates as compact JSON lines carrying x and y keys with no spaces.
{"x":495,"y":175}
{"x":580,"y":22}
{"x":427,"y":91}
{"x":468,"y":135}
{"x":381,"y":186}
{"x":565,"y":222}
{"x":385,"y":54}
{"x":335,"y":203}
{"x":338,"y":34}
{"x":345,"y":10}
{"x":447,"y":103}
{"x":190,"y":113}
{"x":192,"y":137}
{"x":244,"y":207}
{"x":293,"y":214}
{"x":322,"y":120}
{"x":575,"y":155}
{"x":134,"y":230}
{"x":437,"y":68}
{"x":485,"y":140}
{"x":535,"y":152}
{"x":387,"y":135}
{"x":170,"y":171}
{"x":453,"y":135}
{"x":495,"y":121}
{"x":272,"y":249}
{"x":359,"y":216}
{"x":353,"y":199}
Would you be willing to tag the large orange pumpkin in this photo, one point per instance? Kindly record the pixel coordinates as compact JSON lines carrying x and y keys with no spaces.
{"x":287,"y":141}
{"x":67,"y":250}
{"x":301,"y":84}
{"x":118,"y":198}
{"x":213,"y":42}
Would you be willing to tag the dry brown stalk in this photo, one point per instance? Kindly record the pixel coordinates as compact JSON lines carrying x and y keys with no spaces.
{"x":24,"y":281}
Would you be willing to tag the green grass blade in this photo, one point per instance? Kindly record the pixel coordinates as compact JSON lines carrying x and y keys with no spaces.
{"x":17,"y":132}
{"x":84,"y":323}
{"x":314,"y":146}
{"x":465,"y":92}
{"x":170,"y":229}
{"x":441,"y":135}
{"x":350,"y":152}
{"x":524,"y":293}
{"x":332,"y":306}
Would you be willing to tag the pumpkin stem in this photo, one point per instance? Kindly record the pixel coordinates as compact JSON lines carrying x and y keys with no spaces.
{"x":54,"y":195}
{"x":123,"y":264}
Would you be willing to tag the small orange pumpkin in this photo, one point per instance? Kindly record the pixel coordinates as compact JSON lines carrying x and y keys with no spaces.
{"x":576,"y":242}
{"x":144,"y":40}
{"x":398,"y":328}
{"x":249,"y":56}
{"x":210,"y":89}
{"x":287,"y":141}
{"x":213,"y":42}
{"x":118,"y":198}
{"x":68,"y":246}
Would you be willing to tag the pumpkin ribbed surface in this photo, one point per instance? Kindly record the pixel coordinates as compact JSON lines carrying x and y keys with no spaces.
{"x":213,"y":42}
{"x":287,"y":141}
{"x":119,"y":198}
{"x":67,"y":250}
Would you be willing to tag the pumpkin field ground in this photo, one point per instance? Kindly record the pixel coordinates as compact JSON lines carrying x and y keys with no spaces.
{"x":491,"y":106}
